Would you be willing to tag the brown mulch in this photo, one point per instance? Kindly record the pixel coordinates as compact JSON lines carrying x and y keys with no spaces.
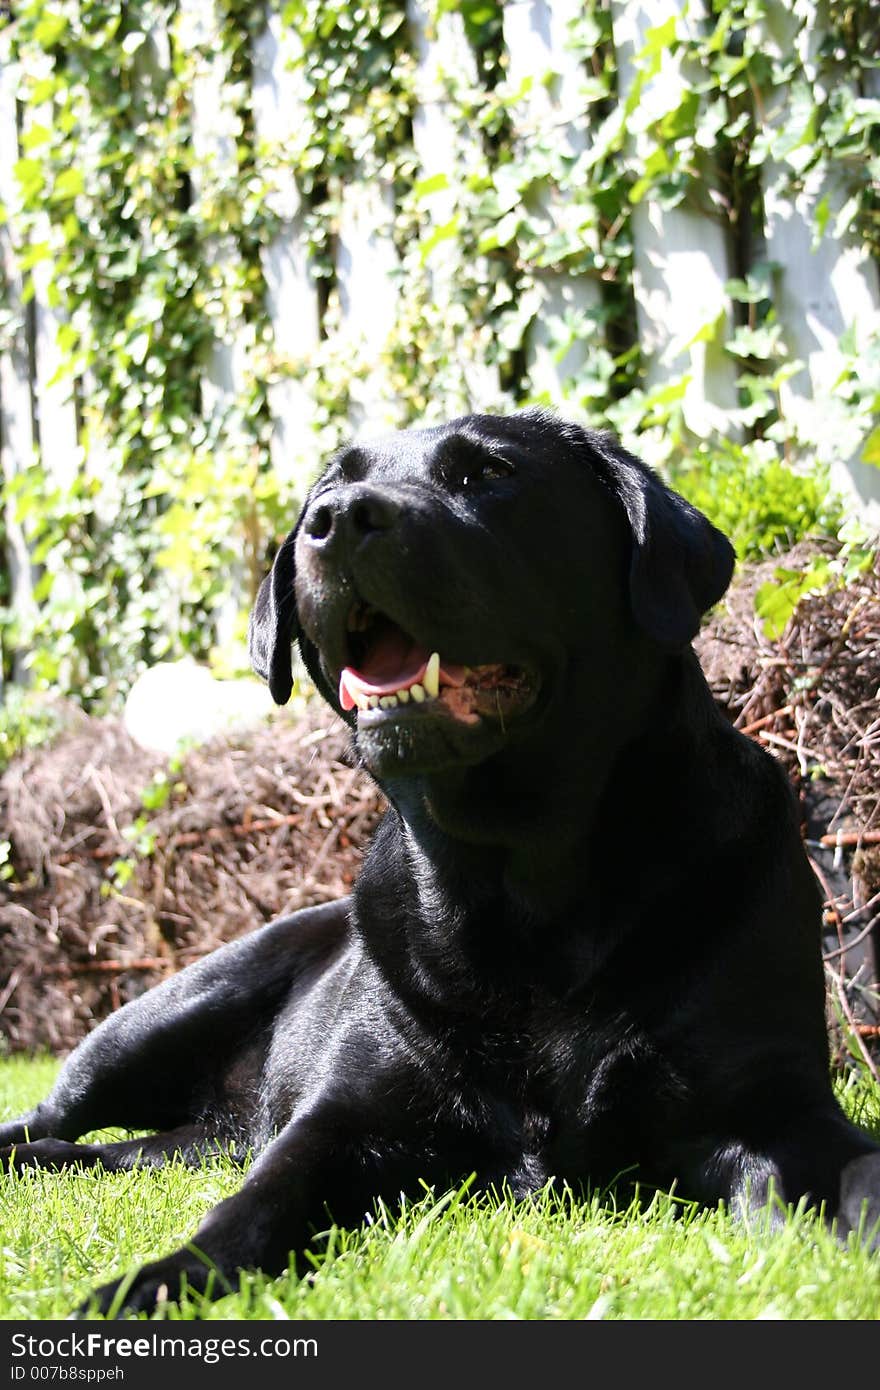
{"x":812,"y":699}
{"x":813,"y":695}
{"x":98,"y":913}
{"x":111,"y":895}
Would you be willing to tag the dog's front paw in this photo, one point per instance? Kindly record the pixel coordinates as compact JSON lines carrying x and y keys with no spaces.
{"x":13,"y":1132}
{"x":163,"y":1281}
{"x":45,"y":1153}
{"x":859,"y":1208}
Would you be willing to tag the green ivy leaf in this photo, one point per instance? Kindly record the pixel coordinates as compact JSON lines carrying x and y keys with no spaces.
{"x":776,"y":601}
{"x":132,"y":42}
{"x":871,"y":448}
{"x":437,"y":183}
{"x":502,"y":234}
{"x":31,"y":178}
{"x":49,"y":29}
{"x":446,"y":232}
{"x":69,"y":184}
{"x":762,"y":343}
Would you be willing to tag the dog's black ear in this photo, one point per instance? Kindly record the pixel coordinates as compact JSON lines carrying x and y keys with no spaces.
{"x":681,"y":564}
{"x":274,"y":626}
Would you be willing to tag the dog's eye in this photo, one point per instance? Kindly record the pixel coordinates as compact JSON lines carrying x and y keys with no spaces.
{"x":488,"y":471}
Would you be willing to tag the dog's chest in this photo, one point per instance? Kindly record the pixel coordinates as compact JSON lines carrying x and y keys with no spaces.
{"x":552,"y":1071}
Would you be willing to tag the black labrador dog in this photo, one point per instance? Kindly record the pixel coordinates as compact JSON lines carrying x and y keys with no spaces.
{"x":585,"y":941}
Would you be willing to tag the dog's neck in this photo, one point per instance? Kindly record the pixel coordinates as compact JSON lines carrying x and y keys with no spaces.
{"x":518,"y":829}
{"x":507,"y":873}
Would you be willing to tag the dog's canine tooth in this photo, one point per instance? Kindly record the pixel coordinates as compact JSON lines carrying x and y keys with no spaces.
{"x":361,"y":700}
{"x":388,"y":702}
{"x":417,"y":692}
{"x":403,"y":696}
{"x":431,"y":678}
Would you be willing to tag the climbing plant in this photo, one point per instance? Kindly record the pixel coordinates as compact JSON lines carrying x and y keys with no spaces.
{"x":152,"y":249}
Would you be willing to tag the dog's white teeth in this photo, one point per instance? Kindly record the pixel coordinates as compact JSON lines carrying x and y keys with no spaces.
{"x":428,"y":690}
{"x":431,"y":677}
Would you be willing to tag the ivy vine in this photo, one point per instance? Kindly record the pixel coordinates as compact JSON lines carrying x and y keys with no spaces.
{"x":155,"y":256}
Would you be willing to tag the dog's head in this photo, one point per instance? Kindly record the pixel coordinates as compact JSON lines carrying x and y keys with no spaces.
{"x":450,"y":585}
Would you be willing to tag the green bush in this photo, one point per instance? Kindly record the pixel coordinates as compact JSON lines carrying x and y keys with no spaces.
{"x":759,"y":502}
{"x":26,"y":721}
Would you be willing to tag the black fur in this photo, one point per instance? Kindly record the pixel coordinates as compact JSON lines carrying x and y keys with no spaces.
{"x":585,"y":941}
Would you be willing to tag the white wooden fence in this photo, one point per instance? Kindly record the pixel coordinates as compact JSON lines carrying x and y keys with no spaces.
{"x":682,"y":259}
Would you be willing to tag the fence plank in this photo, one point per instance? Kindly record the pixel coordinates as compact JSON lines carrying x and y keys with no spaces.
{"x":366,"y":262}
{"x":53,"y":386}
{"x":445,"y":152}
{"x":215,"y":127}
{"x":214,"y":143}
{"x":16,"y":421}
{"x":290,"y":290}
{"x":448,"y":152}
{"x":151,"y":73}
{"x":43,"y":417}
{"x":828,"y":285}
{"x":681,"y":255}
{"x":550,"y":112}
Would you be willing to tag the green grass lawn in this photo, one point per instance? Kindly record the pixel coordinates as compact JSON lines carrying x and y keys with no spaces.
{"x":452,"y":1257}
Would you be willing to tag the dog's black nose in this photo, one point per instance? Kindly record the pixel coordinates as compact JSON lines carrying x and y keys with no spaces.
{"x":352,"y":515}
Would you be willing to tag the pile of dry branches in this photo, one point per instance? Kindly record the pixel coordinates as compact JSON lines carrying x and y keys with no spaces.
{"x":812,"y":698}
{"x":116,"y":886}
{"x":110,"y":897}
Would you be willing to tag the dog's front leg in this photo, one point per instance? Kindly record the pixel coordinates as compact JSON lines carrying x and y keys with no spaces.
{"x":328,"y":1158}
{"x":819,"y":1156}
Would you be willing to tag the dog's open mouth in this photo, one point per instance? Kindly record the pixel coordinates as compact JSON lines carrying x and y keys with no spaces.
{"x":389,"y":669}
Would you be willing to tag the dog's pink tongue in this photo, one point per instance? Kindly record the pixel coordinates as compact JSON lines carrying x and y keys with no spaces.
{"x":394,"y":662}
